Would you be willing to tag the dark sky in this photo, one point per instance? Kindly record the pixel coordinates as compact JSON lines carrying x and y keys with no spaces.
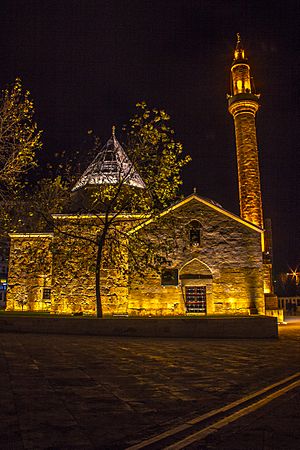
{"x":87,"y":62}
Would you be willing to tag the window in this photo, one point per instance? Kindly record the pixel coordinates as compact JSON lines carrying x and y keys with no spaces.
{"x":46,"y":294}
{"x":169,"y":277}
{"x":195,"y":233}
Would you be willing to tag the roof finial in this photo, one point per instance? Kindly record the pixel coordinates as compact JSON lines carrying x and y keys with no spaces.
{"x":195,"y":190}
{"x":113,"y":131}
{"x":238,"y":41}
{"x":239,"y":52}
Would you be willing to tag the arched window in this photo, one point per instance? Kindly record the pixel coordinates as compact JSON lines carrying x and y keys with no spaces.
{"x":195,"y":233}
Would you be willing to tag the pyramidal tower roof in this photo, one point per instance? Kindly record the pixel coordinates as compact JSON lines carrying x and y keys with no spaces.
{"x":111,"y":166}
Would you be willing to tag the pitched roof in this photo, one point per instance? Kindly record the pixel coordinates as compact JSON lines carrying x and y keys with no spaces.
{"x":111,"y":166}
{"x":212,"y":204}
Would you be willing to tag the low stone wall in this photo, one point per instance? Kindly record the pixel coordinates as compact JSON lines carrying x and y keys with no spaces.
{"x":213,"y":328}
{"x":278,"y":313}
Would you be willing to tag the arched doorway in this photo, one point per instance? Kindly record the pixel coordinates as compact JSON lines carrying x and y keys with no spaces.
{"x":196,"y":281}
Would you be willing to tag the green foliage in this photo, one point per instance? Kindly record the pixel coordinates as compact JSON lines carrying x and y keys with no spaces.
{"x":148,"y":251}
{"x":19,"y":141}
{"x":115,"y":199}
{"x":157,"y":156}
{"x":51,"y":194}
{"x":32,"y":211}
{"x":19,"y":137}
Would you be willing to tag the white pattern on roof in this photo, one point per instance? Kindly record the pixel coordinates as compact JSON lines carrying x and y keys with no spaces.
{"x":111,"y":166}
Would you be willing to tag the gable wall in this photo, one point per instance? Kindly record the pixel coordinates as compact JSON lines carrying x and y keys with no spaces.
{"x":231,"y":250}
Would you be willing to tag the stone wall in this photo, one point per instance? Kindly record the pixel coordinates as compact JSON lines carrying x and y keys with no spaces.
{"x":74,"y":269}
{"x":149,"y":298}
{"x":229,"y":260}
{"x":30,"y":272}
{"x":215,"y":328}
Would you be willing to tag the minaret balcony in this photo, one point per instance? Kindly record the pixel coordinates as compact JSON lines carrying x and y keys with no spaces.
{"x":244,"y":102}
{"x":244,"y":96}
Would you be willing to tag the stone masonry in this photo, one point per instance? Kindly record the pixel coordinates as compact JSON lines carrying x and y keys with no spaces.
{"x":227,"y":262}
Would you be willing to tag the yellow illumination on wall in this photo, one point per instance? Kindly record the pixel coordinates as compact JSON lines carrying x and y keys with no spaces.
{"x":31,"y":235}
{"x":262,"y":242}
{"x":98,"y":216}
{"x":207,"y":203}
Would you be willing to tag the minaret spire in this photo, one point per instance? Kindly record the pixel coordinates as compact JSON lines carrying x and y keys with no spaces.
{"x":239,"y":51}
{"x":243,"y":105}
{"x":239,"y":45}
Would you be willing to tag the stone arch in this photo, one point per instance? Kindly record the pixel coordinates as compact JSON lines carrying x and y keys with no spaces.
{"x":196,"y":279}
{"x":196,"y":267}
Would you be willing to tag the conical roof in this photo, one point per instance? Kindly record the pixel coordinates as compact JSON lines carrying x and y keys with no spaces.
{"x":111,"y":166}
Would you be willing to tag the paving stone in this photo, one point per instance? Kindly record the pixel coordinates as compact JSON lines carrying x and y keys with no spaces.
{"x":100,"y":392}
{"x":273,"y":427}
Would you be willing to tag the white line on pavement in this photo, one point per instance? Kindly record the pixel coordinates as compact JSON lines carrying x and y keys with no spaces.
{"x":292,"y":383}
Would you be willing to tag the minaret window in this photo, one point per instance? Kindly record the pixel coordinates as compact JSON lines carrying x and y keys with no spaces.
{"x":195,"y":233}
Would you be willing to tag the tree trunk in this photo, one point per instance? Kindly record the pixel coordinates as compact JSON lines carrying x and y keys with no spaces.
{"x":99,"y":312}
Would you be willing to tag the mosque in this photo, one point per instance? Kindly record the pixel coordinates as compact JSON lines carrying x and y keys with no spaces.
{"x":218,"y":262}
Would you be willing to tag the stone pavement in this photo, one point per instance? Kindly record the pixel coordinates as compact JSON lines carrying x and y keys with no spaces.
{"x":91,"y":392}
{"x":274,"y":427}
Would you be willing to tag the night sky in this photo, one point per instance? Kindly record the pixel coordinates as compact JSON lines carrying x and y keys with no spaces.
{"x":87,"y":62}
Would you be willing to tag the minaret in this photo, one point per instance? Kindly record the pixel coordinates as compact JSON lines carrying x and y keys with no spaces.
{"x":243,"y":105}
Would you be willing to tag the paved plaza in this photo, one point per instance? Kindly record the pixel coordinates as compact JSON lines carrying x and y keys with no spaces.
{"x":91,"y":392}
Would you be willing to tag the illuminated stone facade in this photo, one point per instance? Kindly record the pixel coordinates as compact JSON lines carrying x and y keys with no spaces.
{"x":226,"y":262}
{"x":55,"y":272}
{"x":222,"y":271}
{"x":30,"y":272}
{"x":74,"y":262}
